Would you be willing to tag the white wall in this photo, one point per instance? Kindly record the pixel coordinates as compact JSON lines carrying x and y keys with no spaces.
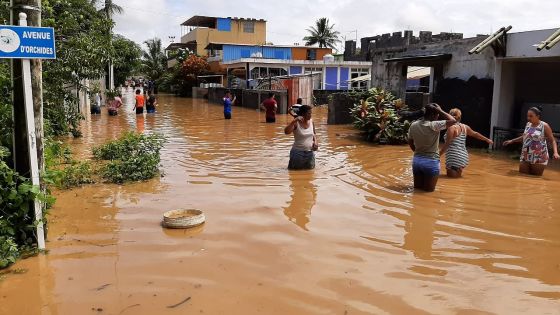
{"x":503,"y":101}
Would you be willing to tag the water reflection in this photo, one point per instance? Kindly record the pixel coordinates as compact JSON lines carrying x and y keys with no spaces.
{"x":303,"y":198}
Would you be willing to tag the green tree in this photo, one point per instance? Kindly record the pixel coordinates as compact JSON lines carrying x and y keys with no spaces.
{"x":83,"y":52}
{"x":322,"y":33}
{"x":154,"y":61}
{"x":127,"y":57}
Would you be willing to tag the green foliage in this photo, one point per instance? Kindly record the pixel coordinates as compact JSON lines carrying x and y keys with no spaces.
{"x":126,"y":61}
{"x":154,"y":61}
{"x":376,"y":114}
{"x":83,"y":51}
{"x":322,"y":33}
{"x":17,"y":221}
{"x":5,"y":105}
{"x":74,"y":175}
{"x":133,"y":157}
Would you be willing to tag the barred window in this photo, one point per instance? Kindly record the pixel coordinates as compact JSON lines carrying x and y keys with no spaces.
{"x":248,"y":27}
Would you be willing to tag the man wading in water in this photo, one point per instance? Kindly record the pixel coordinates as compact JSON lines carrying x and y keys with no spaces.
{"x":270,"y":106}
{"x":228,"y":101}
{"x":423,"y":138}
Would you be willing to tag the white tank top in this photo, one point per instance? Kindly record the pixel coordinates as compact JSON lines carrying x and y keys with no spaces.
{"x":303,"y":138}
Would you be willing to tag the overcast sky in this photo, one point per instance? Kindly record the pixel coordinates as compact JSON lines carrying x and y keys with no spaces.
{"x":288,"y":19}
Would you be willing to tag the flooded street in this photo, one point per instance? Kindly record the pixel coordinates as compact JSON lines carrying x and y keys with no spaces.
{"x":350,"y":237}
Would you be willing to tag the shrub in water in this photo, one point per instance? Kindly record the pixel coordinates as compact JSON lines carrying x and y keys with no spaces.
{"x":376,"y":115}
{"x":132,"y":157}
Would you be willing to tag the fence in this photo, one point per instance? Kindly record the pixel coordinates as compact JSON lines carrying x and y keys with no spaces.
{"x":501,"y":134}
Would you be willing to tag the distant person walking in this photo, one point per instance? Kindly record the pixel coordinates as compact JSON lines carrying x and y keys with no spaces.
{"x":302,"y":155}
{"x":270,"y":106}
{"x":228,"y":102}
{"x":455,"y":146}
{"x":294,"y":109}
{"x":139,"y":102}
{"x":151,"y":103}
{"x":534,"y":153}
{"x":114,"y":105}
{"x":96,"y":106}
{"x":423,"y":139}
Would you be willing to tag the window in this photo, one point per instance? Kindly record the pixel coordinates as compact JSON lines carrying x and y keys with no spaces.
{"x":248,"y":27}
{"x":313,"y":70}
{"x":358,"y":72}
{"x":311,"y":54}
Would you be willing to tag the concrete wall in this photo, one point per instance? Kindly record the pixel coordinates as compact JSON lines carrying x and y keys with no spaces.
{"x":322,"y":96}
{"x":300,"y":53}
{"x":520,"y":45}
{"x":249,"y":98}
{"x":339,"y":109}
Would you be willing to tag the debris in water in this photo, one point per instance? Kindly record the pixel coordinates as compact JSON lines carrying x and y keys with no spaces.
{"x":102,"y":287}
{"x":178,"y":304}
{"x":128,"y":307}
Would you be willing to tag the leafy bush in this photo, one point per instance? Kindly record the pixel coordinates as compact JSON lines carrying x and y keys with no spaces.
{"x":375,"y":113}
{"x":74,"y":175}
{"x":133,"y":157}
{"x":17,"y":221}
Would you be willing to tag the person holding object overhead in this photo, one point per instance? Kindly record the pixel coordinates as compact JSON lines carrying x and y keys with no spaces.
{"x":455,"y":148}
{"x":228,"y":102}
{"x":139,"y":101}
{"x":423,"y":139}
{"x":302,"y":155}
{"x":534,"y":153}
{"x":270,"y":106}
{"x":294,"y":109}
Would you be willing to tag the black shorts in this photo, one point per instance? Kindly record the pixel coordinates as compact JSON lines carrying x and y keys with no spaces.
{"x":139,"y":110}
{"x":112,"y":112}
{"x":270,"y":119}
{"x":227,"y":115}
{"x":96,"y":110}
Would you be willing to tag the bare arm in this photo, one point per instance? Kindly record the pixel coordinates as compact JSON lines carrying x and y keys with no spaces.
{"x":449,"y":120}
{"x":411,"y":145}
{"x":515,"y":140}
{"x":550,"y":137}
{"x":291,"y":127}
{"x":477,"y":135}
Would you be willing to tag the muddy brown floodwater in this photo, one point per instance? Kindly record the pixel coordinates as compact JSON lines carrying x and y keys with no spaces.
{"x":350,"y":237}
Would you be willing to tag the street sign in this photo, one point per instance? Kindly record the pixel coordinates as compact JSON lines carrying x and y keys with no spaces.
{"x":23,"y":42}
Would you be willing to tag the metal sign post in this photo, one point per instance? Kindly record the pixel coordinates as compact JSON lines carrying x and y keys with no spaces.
{"x":28,"y":98}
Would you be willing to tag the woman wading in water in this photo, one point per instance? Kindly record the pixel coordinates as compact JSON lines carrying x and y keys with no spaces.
{"x":302,"y":155}
{"x":534,"y":153}
{"x":455,"y":148}
{"x":423,"y":139}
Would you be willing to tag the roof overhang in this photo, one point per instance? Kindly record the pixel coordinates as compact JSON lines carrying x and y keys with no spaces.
{"x":307,"y":63}
{"x":201,"y":21}
{"x":174,"y":46}
{"x":422,"y":59}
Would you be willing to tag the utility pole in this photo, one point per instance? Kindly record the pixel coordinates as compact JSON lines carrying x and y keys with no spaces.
{"x":28,"y":144}
{"x":33,"y":10}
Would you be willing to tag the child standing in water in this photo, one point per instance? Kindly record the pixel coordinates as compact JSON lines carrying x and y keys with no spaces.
{"x":534,"y":153}
{"x":151,"y":103}
{"x":423,"y":139}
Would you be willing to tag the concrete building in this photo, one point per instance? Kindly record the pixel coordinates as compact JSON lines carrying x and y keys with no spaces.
{"x":203,"y":30}
{"x":333,"y":75}
{"x":493,"y":88}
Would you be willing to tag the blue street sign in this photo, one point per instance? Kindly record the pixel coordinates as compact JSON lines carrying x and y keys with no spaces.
{"x":26,"y":42}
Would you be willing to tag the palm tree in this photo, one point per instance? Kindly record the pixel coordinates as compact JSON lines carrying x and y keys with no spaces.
{"x":154,"y":61}
{"x":110,"y":9}
{"x":322,"y":33}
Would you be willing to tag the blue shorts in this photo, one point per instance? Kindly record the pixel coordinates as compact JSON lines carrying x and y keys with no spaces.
{"x":425,"y":166}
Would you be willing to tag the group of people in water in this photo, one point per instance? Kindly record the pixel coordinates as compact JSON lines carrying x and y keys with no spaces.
{"x":423,"y":139}
{"x":113,"y":106}
{"x":424,"y":134}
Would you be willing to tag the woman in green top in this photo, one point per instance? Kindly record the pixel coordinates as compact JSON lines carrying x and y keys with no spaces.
{"x":423,"y":138}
